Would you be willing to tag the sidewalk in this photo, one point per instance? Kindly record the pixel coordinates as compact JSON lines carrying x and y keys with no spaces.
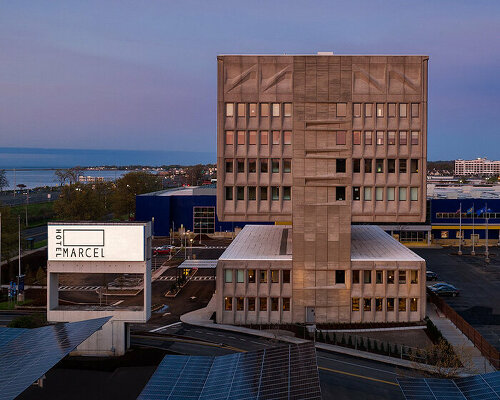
{"x":466,"y":349}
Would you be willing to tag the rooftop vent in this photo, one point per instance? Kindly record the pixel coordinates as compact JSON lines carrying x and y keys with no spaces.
{"x":325,"y":53}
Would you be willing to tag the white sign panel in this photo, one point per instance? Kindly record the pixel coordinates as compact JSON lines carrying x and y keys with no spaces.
{"x":96,"y":242}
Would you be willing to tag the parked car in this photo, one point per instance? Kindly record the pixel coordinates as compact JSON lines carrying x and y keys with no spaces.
{"x":431,"y":275}
{"x":162,"y":250}
{"x":444,"y":289}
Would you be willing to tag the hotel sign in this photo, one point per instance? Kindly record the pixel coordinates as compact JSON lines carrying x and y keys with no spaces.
{"x":89,"y":242}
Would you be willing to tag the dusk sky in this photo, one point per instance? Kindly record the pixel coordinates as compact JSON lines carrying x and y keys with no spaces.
{"x":142,"y":74}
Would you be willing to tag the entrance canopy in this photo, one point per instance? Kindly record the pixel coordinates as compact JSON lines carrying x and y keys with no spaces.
{"x":198,"y":264}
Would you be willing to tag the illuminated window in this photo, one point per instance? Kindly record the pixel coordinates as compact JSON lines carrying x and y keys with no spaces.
{"x":251,"y":304}
{"x":356,"y":193}
{"x":414,"y":137}
{"x":275,"y":276}
{"x":391,"y":138}
{"x":378,"y":304}
{"x":228,"y":303}
{"x":263,"y":276}
{"x":288,"y":109}
{"x":380,"y":110}
{"x":380,"y":138}
{"x":402,"y":304}
{"x":414,"y":166}
{"x":239,"y":303}
{"x":413,"y":276}
{"x":355,"y":304}
{"x":251,"y":276}
{"x":413,"y":304}
{"x":276,"y":109}
{"x":229,"y":110}
{"x":390,"y":304}
{"x":229,"y":137}
{"x":263,"y":303}
{"x":253,"y":109}
{"x":390,"y":277}
{"x":367,"y":304}
{"x":286,"y":303}
{"x":379,"y":165}
{"x":402,"y":277}
{"x":368,"y":137}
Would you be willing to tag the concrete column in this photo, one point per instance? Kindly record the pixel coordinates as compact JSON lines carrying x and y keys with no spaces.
{"x":52,"y":290}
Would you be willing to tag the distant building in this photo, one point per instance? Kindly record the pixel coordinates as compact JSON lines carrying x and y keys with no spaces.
{"x":479,"y":166}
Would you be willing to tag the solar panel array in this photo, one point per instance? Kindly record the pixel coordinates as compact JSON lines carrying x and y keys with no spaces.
{"x":287,"y":372}
{"x":27,"y":354}
{"x":477,"y":387}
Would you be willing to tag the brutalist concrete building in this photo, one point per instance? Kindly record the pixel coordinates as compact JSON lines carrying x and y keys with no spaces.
{"x":316,"y":143}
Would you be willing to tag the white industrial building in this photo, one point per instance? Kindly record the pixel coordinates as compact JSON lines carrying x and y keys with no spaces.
{"x":479,"y":166}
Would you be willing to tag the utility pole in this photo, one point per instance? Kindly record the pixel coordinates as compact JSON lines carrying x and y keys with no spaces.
{"x":460,"y":234}
{"x":27,"y":204}
{"x":1,"y":255}
{"x":487,"y":253}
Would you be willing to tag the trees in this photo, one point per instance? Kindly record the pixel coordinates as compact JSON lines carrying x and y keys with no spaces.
{"x":83,"y":202}
{"x":195,"y":175}
{"x":71,"y":175}
{"x":9,"y":233}
{"x":3,"y":180}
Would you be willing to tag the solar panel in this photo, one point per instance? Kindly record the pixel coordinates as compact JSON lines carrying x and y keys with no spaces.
{"x":476,"y":387}
{"x":287,"y":372}
{"x":27,"y":354}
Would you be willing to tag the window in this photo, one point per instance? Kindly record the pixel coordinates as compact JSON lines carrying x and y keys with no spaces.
{"x":264,"y":137}
{"x":391,"y":138}
{"x":390,"y":193}
{"x":413,"y":276}
{"x":390,"y":277}
{"x":340,"y":137}
{"x":276,"y":109}
{"x":414,"y":166}
{"x":276,"y":137}
{"x":340,"y":193}
{"x":229,"y":137}
{"x":251,"y":276}
{"x":379,"y":277}
{"x":251,"y":304}
{"x":356,"y":165}
{"x":414,"y":137}
{"x":403,"y":110}
{"x":203,"y":219}
{"x":286,"y":276}
{"x":252,"y":137}
{"x":355,"y":304}
{"x":380,"y":138}
{"x":403,"y":138}
{"x":340,"y":277}
{"x":275,"y":165}
{"x":402,"y":304}
{"x":239,"y":303}
{"x":356,"y":137}
{"x":367,"y":195}
{"x":414,"y":110}
{"x":356,"y":110}
{"x":367,"y":304}
{"x":368,"y":110}
{"x":340,"y":167}
{"x":263,"y":276}
{"x":263,"y":192}
{"x":275,"y":275}
{"x":391,"y":165}
{"x":368,"y":165}
{"x":380,"y":110}
{"x":287,"y":165}
{"x":264,"y":110}
{"x":229,"y":192}
{"x":241,"y":165}
{"x":286,"y":303}
{"x":228,"y":275}
{"x":240,"y":193}
{"x":413,"y":304}
{"x":414,"y":194}
{"x":287,"y":137}
{"x":402,"y":194}
{"x":263,"y":303}
{"x":288,"y":109}
{"x":241,"y":137}
{"x":228,"y":303}
{"x":367,"y":276}
{"x":264,"y":164}
{"x":391,"y":112}
{"x":341,"y":109}
{"x":356,"y":193}
{"x":355,"y":276}
{"x":379,"y":165}
{"x":402,"y":166}
{"x":275,"y":193}
{"x":229,"y":110}
{"x":252,"y":193}
{"x":378,"y":304}
{"x":287,"y":192}
{"x":252,"y":165}
{"x":402,"y":277}
{"x":229,"y":165}
{"x":368,"y":137}
{"x":390,"y":304}
{"x":445,"y":234}
{"x":275,"y":304}
{"x":241,"y":109}
{"x":253,"y":109}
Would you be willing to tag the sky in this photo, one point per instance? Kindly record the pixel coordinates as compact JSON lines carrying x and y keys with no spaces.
{"x":141,"y":75}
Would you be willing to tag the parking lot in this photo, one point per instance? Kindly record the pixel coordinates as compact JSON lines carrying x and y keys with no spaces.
{"x":479,"y":284}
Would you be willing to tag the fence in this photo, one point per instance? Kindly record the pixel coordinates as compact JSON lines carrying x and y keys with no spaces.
{"x":486,"y":349}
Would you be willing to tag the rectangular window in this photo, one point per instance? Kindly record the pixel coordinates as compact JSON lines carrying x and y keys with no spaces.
{"x":414,"y":166}
{"x":240,"y":165}
{"x":263,"y":192}
{"x":378,"y":304}
{"x":252,"y":137}
{"x":413,"y":276}
{"x":414,"y":194}
{"x":264,"y":137}
{"x":340,"y":137}
{"x":275,"y":304}
{"x":356,"y":137}
{"x":340,"y":193}
{"x":340,"y":165}
{"x":228,"y":275}
{"x":356,"y":165}
{"x":379,"y":165}
{"x":402,"y":166}
{"x":403,"y":138}
{"x":380,"y":110}
{"x":340,"y":277}
{"x":229,"y":137}
{"x":368,"y":137}
{"x":355,"y":304}
{"x":286,"y":303}
{"x":414,"y":137}
{"x":263,"y":276}
{"x":390,"y":304}
{"x":251,"y":304}
{"x":379,"y":277}
{"x":276,"y":137}
{"x":228,"y":303}
{"x":241,"y":109}
{"x":356,"y":193}
{"x":391,"y":138}
{"x":263,"y":303}
{"x":380,"y":138}
{"x":275,"y":193}
{"x":355,"y":276}
{"x":251,"y":276}
{"x":229,"y":192}
{"x":240,"y":276}
{"x":390,"y":277}
{"x":390,"y":194}
{"x":264,"y":166}
{"x":287,"y":137}
{"x":367,"y":276}
{"x":275,"y":165}
{"x":287,"y":165}
{"x":229,"y":165}
{"x":367,"y":195}
{"x":413,"y":304}
{"x":253,"y":109}
{"x":391,"y":165}
{"x":240,"y":193}
{"x":414,"y":110}
{"x":229,"y":109}
{"x":356,"y":110}
{"x":403,"y":110}
{"x":368,"y":165}
{"x":241,"y":137}
{"x":275,"y":276}
{"x":402,"y":194}
{"x":341,"y":109}
{"x":379,"y":194}
{"x":391,"y":112}
{"x":287,"y":192}
{"x":402,"y":277}
{"x":264,"y":110}
{"x":252,"y":193}
{"x":367,"y":304}
{"x":288,"y":109}
{"x":368,"y":110}
{"x":402,"y":304}
{"x":239,"y":303}
{"x":286,"y":276}
{"x":252,"y":165}
{"x":276,"y":109}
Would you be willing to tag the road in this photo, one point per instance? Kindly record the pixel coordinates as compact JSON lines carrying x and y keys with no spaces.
{"x":6,"y":317}
{"x":38,"y":233}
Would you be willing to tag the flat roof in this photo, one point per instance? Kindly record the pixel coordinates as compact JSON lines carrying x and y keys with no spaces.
{"x":371,"y":243}
{"x":205,"y":190}
{"x":201,"y":264}
{"x":261,"y":242}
